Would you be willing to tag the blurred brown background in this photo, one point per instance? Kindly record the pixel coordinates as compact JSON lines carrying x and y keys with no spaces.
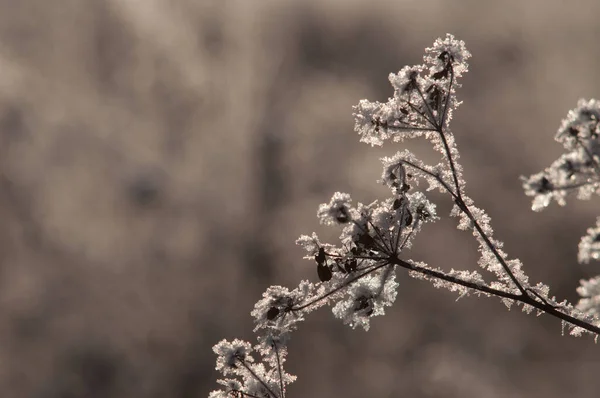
{"x":159,"y":158}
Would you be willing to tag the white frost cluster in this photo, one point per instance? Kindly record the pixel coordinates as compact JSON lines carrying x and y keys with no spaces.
{"x":423,"y":99}
{"x":589,"y":249}
{"x":577,"y":170}
{"x":255,"y":379}
{"x":367,"y":298}
{"x":337,"y":211}
{"x":589,"y":246}
{"x":590,"y":296}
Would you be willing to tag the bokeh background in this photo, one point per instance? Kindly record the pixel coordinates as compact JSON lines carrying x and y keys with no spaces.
{"x":159,"y":158}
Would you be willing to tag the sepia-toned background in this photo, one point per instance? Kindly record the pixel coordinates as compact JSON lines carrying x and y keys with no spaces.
{"x":159,"y":158}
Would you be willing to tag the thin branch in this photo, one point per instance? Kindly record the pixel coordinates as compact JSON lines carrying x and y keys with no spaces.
{"x":257,"y":378}
{"x":408,"y":127}
{"x":398,"y":233}
{"x":573,"y":186}
{"x":381,"y":248}
{"x":337,"y":289}
{"x":427,"y":107}
{"x":450,"y":161}
{"x":388,"y":250}
{"x":444,"y":115}
{"x":279,"y":371}
{"x":526,"y":299}
{"x":490,"y":246}
{"x":355,"y":256}
{"x":463,"y":206}
{"x":421,"y":113}
{"x":453,"y":279}
{"x":433,"y":175}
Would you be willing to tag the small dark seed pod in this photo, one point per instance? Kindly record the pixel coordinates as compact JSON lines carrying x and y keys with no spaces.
{"x":546,"y":186}
{"x":324,"y":273}
{"x":272,"y":313}
{"x":408,"y":218}
{"x":320,"y":257}
{"x":343,"y":217}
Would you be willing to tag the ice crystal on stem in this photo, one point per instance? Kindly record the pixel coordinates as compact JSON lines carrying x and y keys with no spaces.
{"x":590,"y":296}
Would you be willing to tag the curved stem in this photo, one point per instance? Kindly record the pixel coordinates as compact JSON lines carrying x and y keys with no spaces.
{"x":279,"y":371}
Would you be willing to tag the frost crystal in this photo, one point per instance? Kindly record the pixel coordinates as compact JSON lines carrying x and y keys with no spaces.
{"x":367,"y":298}
{"x":446,"y":52}
{"x":590,"y":296}
{"x":589,"y":247}
{"x":423,"y":99}
{"x":337,"y":211}
{"x":231,"y":354}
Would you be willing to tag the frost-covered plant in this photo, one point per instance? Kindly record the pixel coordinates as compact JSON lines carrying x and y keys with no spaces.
{"x":357,"y":276}
{"x":577,"y":170}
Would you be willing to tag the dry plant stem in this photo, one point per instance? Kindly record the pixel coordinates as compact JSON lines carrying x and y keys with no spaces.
{"x":439,"y":128}
{"x":279,"y":371}
{"x":458,"y":195}
{"x":574,"y":186}
{"x":523,"y":298}
{"x":492,"y":248}
{"x":445,"y":114}
{"x":462,"y":205}
{"x":358,"y":277}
